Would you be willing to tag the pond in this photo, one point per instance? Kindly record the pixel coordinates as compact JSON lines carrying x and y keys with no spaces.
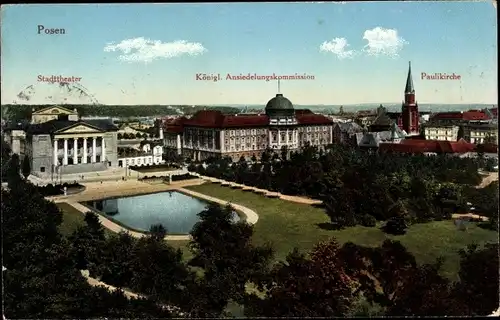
{"x":177,"y":212}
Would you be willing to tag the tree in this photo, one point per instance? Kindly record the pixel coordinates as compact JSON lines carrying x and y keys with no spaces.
{"x":158,"y":270}
{"x":339,"y":208}
{"x":116,"y":267}
{"x":380,"y":272}
{"x":396,"y":226}
{"x":306,"y":287}
{"x":26,"y":167}
{"x":158,"y":232}
{"x":120,"y":136}
{"x":478,"y":274}
{"x":341,"y":110}
{"x":13,"y":170}
{"x":223,"y":250}
{"x":87,"y":243}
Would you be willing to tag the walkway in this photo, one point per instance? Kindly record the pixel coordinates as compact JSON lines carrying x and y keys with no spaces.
{"x":267,"y":193}
{"x":488,"y":178}
{"x":129,"y":294}
{"x":109,"y":189}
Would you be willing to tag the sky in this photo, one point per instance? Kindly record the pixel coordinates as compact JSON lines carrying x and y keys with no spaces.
{"x":152,"y":53}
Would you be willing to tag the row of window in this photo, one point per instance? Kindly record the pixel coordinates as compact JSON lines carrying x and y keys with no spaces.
{"x":139,"y":161}
{"x":446,"y":132}
{"x":441,"y":138}
{"x":480,"y":133}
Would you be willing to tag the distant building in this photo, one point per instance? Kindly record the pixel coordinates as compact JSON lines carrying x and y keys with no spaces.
{"x":344,"y":132}
{"x":480,"y":133}
{"x":212,"y":133}
{"x":150,"y":153}
{"x":428,"y":147}
{"x":372,"y":140}
{"x":474,"y":126}
{"x":444,"y":132}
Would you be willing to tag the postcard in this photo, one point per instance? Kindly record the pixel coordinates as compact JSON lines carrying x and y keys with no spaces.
{"x":302,"y":159}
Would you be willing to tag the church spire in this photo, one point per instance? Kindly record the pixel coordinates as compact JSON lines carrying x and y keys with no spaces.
{"x":409,"y":81}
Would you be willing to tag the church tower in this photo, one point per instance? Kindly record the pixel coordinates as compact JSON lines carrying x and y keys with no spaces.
{"x":409,"y":108}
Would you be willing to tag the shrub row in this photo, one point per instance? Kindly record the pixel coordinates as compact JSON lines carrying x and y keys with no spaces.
{"x":156,"y":166}
{"x":58,"y":189}
{"x":178,"y":177}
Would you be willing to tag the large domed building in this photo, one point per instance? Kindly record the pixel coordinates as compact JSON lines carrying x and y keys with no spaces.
{"x":210,"y":133}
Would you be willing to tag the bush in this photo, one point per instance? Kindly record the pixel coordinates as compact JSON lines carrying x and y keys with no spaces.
{"x":56,"y":190}
{"x":368,"y":221}
{"x":186,"y":176}
{"x":395,"y":226}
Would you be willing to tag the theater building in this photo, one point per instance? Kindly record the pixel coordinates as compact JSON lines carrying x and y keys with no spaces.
{"x":58,"y":142}
{"x":212,"y":133}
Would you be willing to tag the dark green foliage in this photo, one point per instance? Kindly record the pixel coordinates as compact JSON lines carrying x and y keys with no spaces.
{"x":395,"y":226}
{"x":87,"y":243}
{"x":368,"y":221}
{"x":42,"y":279}
{"x":478,"y":285}
{"x":223,"y":250}
{"x":26,"y":167}
{"x":54,"y":190}
{"x":13,"y":170}
{"x":306,"y":287}
{"x":352,"y":183}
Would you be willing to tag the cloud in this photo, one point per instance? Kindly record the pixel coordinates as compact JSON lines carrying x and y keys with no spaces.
{"x":337,"y":46}
{"x":146,"y":50}
{"x":383,"y":41}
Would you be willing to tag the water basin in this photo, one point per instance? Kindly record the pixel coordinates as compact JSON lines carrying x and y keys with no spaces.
{"x":177,"y":212}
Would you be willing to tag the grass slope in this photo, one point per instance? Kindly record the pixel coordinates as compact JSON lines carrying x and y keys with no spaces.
{"x":287,"y":225}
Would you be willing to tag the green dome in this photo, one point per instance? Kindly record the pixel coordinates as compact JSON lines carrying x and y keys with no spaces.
{"x":279,"y":103}
{"x":279,"y":107}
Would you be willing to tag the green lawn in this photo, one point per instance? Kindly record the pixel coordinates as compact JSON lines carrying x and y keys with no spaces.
{"x":287,"y":225}
{"x":72,"y":218}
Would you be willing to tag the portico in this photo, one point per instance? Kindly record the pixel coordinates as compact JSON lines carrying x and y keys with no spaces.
{"x":78,"y":149}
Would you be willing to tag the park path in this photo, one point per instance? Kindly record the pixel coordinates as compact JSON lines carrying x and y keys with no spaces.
{"x":129,"y":294}
{"x":296,"y":199}
{"x":488,"y":177}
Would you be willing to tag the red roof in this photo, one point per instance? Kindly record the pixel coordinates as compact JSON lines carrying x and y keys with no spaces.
{"x":216,"y":119}
{"x":467,"y":115}
{"x":434,"y":146}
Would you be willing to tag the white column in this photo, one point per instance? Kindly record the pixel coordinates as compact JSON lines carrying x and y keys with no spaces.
{"x":65,"y":161}
{"x":286,"y":137}
{"x":75,"y":151}
{"x":279,"y":138}
{"x":103,"y":150}
{"x":56,"y":160}
{"x":179,"y":145}
{"x":84,"y":150}
{"x":94,"y":149}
